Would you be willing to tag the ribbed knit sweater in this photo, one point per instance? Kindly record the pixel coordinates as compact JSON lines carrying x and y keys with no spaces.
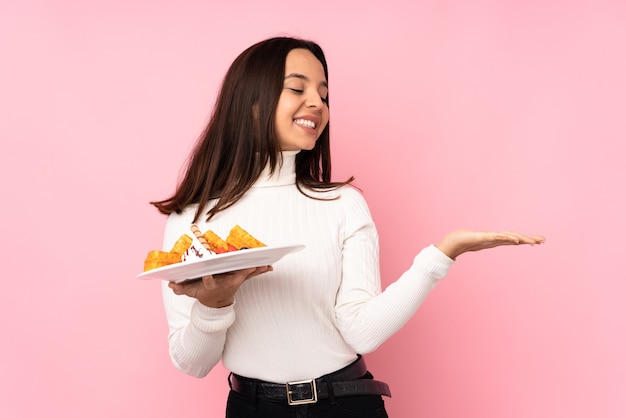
{"x":318,"y":308}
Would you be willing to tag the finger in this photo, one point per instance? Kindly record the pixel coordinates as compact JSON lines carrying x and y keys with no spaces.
{"x":262,"y":269}
{"x":533,"y":239}
{"x":507,"y":237}
{"x":227,"y":274}
{"x":521,"y":238}
{"x":539,"y":239}
{"x":180,"y":288}
{"x":526,"y":239}
{"x":175,"y":288}
{"x":249,"y":272}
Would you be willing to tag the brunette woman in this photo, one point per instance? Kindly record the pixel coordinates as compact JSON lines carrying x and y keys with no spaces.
{"x":292,"y":334}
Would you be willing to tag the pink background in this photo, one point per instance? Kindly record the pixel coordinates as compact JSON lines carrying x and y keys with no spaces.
{"x":487,"y":114}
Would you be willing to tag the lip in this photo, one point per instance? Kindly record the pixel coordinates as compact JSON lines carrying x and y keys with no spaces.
{"x":312,"y":118}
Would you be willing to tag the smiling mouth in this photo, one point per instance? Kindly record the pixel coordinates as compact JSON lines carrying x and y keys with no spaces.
{"x":304,"y":122}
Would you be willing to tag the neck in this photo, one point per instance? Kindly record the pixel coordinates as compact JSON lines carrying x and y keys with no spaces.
{"x":283,"y":175}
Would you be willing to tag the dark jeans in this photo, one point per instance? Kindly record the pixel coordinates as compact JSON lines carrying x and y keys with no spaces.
{"x":365,"y":406}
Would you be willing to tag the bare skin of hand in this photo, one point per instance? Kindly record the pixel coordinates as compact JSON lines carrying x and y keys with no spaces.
{"x":219,"y":290}
{"x":461,"y":241}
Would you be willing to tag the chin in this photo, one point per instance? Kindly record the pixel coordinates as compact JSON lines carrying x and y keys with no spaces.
{"x":299,"y":147}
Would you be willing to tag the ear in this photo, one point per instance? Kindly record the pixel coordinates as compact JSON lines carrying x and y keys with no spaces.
{"x":255,"y":112}
{"x":256,"y":122}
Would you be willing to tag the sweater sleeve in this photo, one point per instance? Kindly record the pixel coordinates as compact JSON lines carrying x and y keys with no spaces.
{"x":197,"y":333}
{"x":367,"y":316}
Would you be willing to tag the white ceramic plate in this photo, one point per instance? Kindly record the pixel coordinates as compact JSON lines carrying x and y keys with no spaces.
{"x":220,"y":263}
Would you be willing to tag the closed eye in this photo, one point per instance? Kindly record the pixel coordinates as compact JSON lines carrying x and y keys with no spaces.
{"x":300,"y":91}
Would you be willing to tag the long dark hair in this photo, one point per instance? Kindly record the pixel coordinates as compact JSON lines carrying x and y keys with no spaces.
{"x":240,"y":139}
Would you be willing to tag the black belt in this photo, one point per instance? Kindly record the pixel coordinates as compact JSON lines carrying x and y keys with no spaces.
{"x":348,"y":381}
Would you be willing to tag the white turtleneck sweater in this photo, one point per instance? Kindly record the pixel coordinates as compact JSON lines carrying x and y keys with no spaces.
{"x":318,"y":308}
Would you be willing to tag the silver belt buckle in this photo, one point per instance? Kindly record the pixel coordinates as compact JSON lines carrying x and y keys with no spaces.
{"x":312,"y":399}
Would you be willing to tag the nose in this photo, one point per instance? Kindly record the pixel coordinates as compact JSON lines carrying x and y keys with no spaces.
{"x":314,"y":100}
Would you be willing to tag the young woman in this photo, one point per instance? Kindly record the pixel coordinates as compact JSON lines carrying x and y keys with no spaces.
{"x":291,"y":334}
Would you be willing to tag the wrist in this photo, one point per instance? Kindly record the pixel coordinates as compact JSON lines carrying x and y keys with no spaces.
{"x":219,"y":303}
{"x":448,"y":248}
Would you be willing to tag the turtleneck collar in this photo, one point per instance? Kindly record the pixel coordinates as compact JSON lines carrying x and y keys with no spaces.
{"x":284,"y":174}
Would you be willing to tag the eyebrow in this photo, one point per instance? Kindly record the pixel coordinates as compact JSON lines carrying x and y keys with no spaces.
{"x":305,"y":78}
